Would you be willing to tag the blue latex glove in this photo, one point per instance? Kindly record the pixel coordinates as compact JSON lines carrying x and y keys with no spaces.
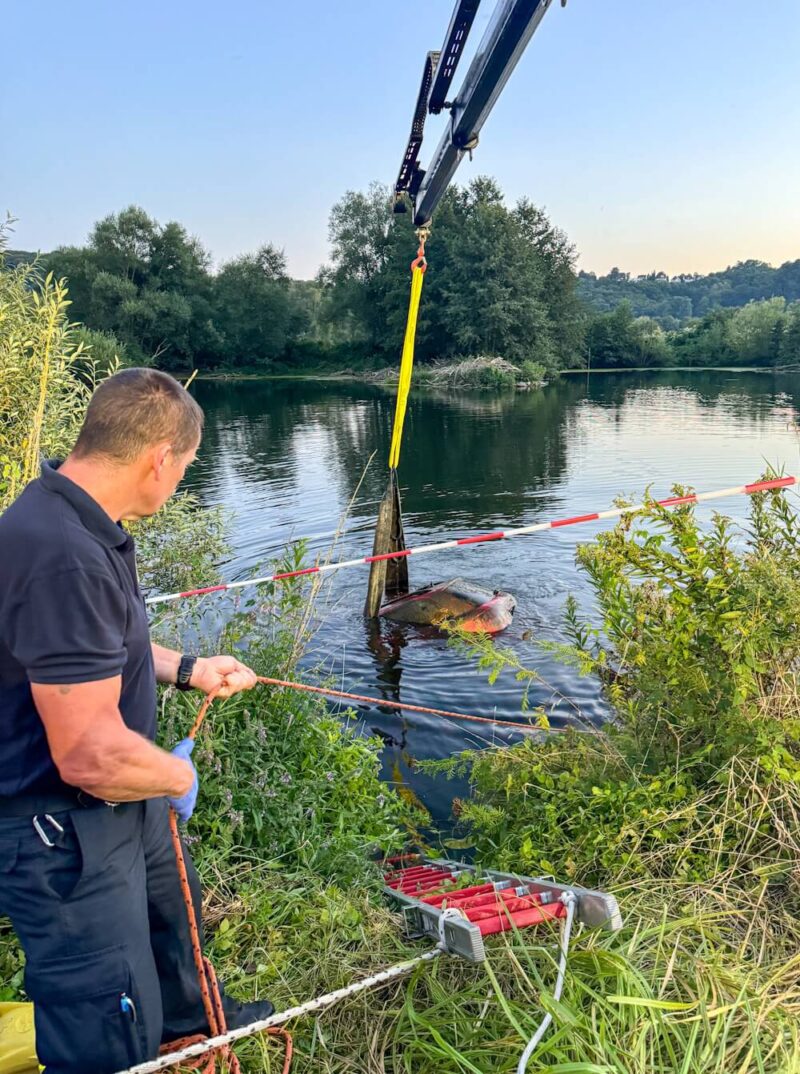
{"x":184,"y":806}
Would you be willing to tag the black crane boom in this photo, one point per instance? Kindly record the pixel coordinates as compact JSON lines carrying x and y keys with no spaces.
{"x":512,"y":25}
{"x":457,"y":33}
{"x":437,"y":77}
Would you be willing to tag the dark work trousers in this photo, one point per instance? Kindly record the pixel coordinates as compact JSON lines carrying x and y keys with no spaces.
{"x":103,"y":924}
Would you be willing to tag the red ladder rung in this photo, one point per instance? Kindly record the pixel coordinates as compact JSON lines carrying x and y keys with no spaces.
{"x":456,"y":897}
{"x":423,"y":884}
{"x":397,"y":858}
{"x":483,"y":906}
{"x":407,"y":881}
{"x":419,"y":870}
{"x":534,"y":915}
{"x":496,"y":899}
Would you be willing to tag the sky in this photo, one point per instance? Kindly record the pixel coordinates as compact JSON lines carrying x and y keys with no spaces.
{"x":659,"y":136}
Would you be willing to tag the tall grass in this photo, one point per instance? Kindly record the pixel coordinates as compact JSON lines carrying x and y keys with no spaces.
{"x":45,"y":375}
{"x":688,"y":807}
{"x":696,"y":982}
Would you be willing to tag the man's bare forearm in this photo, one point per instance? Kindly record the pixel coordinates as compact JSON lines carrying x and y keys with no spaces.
{"x":126,"y":768}
{"x":93,"y":749}
{"x":166,"y":663}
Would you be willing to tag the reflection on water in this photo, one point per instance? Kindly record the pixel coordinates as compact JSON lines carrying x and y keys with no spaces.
{"x":286,"y":457}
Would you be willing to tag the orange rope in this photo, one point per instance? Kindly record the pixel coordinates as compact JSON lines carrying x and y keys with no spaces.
{"x":206,"y":977}
{"x":401,"y":705}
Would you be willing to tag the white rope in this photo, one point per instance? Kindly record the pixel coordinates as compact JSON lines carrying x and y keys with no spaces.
{"x":192,"y":1051}
{"x":569,"y":900}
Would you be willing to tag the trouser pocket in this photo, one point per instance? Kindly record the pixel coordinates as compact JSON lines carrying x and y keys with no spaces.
{"x":86,"y":1009}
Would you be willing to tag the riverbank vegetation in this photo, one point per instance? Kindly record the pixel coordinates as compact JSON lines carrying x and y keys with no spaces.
{"x":479,"y":372}
{"x":501,"y":281}
{"x":687,"y":807}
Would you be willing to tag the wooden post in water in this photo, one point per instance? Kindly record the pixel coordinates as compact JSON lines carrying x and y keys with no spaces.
{"x":377,"y":571}
{"x":387,"y":576}
{"x":396,"y":569}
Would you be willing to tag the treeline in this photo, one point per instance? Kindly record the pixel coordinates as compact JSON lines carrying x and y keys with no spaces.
{"x":501,"y":282}
{"x":673,"y":301}
{"x":152,"y":289}
{"x":761,"y":334}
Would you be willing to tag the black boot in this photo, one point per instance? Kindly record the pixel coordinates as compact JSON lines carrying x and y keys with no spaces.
{"x":239,"y":1014}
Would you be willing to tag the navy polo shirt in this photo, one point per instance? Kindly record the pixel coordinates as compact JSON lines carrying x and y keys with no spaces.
{"x":70,"y":612}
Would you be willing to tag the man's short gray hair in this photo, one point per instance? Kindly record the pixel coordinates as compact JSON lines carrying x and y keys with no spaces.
{"x":134,"y":409}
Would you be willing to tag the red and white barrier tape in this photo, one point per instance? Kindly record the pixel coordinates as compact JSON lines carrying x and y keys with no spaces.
{"x":482,"y":538}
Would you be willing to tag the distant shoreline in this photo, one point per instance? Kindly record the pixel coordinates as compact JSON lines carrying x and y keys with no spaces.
{"x":368,"y":376}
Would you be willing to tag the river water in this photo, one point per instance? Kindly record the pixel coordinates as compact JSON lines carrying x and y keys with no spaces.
{"x":286,"y":457}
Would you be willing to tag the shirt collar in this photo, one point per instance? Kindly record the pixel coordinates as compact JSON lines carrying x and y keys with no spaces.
{"x":91,"y":514}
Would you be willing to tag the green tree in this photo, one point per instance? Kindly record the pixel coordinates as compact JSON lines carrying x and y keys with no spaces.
{"x":755,"y":331}
{"x":77,"y":265}
{"x":789,"y":348}
{"x":365,"y":268}
{"x":649,"y":342}
{"x":493,"y":280}
{"x":177,"y":261}
{"x":500,"y":281}
{"x":611,"y":341}
{"x":122,"y":244}
{"x":108,"y":295}
{"x":105,"y":351}
{"x":252,"y":307}
{"x":706,"y":341}
{"x":148,"y":285}
{"x":557,"y":260}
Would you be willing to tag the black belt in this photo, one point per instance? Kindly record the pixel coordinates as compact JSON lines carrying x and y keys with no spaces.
{"x":28,"y":805}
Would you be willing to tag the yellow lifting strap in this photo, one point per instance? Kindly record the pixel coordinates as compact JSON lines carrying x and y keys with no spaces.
{"x":418,"y":266}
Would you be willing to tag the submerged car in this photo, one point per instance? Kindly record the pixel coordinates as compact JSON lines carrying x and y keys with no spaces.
{"x":466,"y":605}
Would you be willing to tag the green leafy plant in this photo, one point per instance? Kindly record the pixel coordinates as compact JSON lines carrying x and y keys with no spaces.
{"x":534,"y":372}
{"x":698,"y":774}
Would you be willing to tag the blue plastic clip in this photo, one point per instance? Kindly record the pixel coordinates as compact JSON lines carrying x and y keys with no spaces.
{"x":127,"y":1006}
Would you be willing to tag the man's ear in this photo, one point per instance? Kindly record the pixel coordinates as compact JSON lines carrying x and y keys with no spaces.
{"x":160,"y":457}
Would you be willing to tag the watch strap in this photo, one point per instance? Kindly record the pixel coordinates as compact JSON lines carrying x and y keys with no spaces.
{"x":185,"y":669}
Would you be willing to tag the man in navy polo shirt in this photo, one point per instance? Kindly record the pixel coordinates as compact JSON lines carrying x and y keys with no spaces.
{"x":87,"y":871}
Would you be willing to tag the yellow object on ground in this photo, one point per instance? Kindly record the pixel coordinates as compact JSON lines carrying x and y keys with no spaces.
{"x":17,"y":1040}
{"x":406,"y":365}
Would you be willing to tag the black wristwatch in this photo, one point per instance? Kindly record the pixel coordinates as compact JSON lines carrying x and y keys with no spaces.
{"x":185,"y":669}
